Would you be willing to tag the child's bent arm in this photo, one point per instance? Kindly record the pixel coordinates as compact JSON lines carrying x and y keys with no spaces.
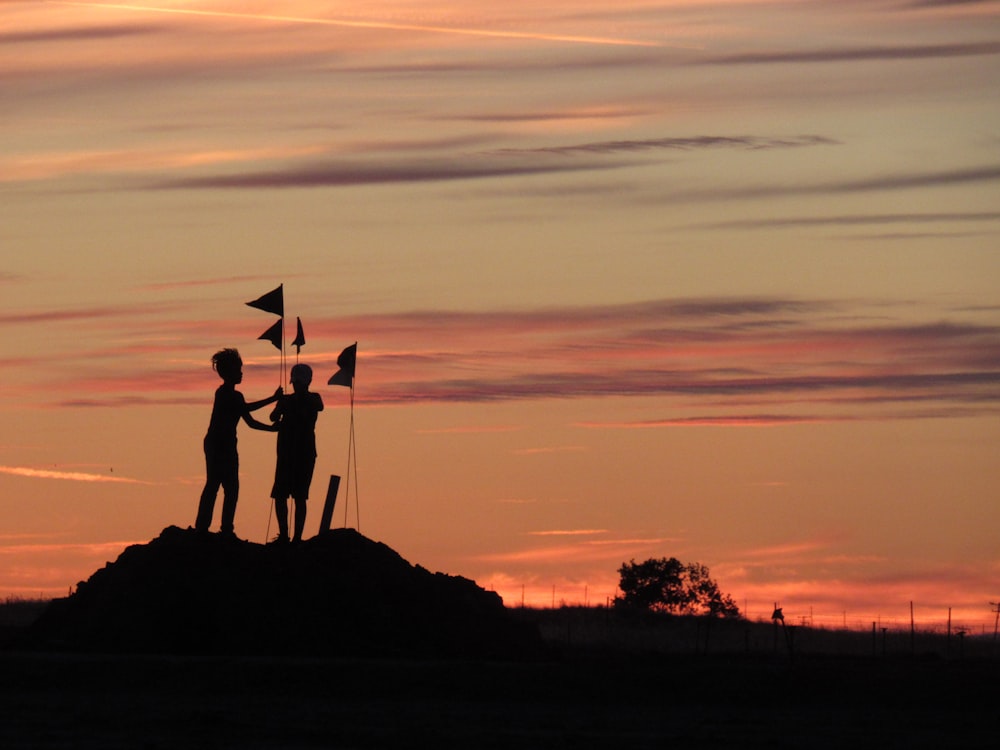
{"x":251,"y":422}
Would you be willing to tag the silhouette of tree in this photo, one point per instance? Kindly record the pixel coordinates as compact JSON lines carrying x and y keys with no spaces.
{"x":668,"y":585}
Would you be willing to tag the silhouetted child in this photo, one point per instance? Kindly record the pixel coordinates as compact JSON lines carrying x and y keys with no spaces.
{"x":222,"y":463}
{"x":295,"y":415}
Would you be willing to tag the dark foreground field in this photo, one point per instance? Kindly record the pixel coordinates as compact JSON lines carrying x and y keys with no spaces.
{"x":571,"y":699}
{"x":201,"y":642}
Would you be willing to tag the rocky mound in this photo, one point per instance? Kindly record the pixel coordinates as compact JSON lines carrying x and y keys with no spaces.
{"x":338,"y":594}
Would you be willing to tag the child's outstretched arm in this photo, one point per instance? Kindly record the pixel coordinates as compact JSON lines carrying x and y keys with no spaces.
{"x":255,"y":405}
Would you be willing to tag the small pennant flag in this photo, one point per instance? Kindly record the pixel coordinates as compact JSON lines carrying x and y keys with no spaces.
{"x":272,"y":302}
{"x":300,"y":337}
{"x":273,"y":334}
{"x":346,"y":362}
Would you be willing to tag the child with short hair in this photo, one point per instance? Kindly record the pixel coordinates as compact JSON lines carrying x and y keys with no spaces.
{"x":222,"y":462}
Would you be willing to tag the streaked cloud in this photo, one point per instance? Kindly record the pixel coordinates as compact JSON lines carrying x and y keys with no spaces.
{"x":249,"y":15}
{"x":81,"y":548}
{"x":71,"y":476}
{"x":555,"y":115}
{"x":72,"y":163}
{"x":734,"y":420}
{"x":82,"y":314}
{"x":614,"y":550}
{"x":859,"y":54}
{"x":345,"y":174}
{"x":851,"y":220}
{"x":219,"y":281}
{"x":730,"y":362}
{"x":986,"y":174}
{"x":791,"y":551}
{"x":499,"y":163}
{"x":947,"y":3}
{"x":550,"y":449}
{"x":752,"y":143}
{"x":468,"y":429}
{"x":78,"y":33}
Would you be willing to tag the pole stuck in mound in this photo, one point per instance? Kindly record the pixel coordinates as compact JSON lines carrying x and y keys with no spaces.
{"x":331,"y":500}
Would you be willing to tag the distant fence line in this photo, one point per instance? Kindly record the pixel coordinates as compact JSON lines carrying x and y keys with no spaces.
{"x":925,"y":620}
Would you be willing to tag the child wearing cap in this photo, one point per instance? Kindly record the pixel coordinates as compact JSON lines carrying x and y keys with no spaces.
{"x":295,"y":415}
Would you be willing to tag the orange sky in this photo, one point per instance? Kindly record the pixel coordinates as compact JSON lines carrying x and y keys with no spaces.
{"x":712,"y":280}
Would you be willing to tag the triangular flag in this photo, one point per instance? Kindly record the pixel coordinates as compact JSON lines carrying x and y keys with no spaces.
{"x":346,"y":362}
{"x":272,"y":302}
{"x":273,"y":334}
{"x":300,"y":337}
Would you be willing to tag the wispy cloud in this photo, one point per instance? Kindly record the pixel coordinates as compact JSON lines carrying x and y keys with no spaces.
{"x":792,"y":550}
{"x":748,"y":142}
{"x":78,"y":314}
{"x":589,"y":551}
{"x":217,"y":281}
{"x":725,"y":361}
{"x":45,"y":166}
{"x":550,"y":449}
{"x":947,"y":3}
{"x":344,"y":174}
{"x":722,"y":420}
{"x":499,"y":163}
{"x":608,"y":112}
{"x":859,"y":54}
{"x":78,"y":33}
{"x":461,"y":30}
{"x":895,"y":181}
{"x":68,"y":548}
{"x":851,"y":220}
{"x":71,"y":476}
{"x":468,"y":429}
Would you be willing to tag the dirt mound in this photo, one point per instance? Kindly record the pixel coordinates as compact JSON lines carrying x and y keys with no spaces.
{"x":338,"y":594}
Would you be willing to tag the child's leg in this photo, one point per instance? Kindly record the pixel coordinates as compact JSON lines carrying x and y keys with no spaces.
{"x":206,"y":505}
{"x":281,"y":511}
{"x":230,"y":494}
{"x":300,"y":519}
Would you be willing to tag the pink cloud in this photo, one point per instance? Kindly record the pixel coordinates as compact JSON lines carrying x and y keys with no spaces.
{"x":469,"y":429}
{"x":742,"y":420}
{"x":740,"y":362}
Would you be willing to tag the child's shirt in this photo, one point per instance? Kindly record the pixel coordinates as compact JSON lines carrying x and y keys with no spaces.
{"x":228,"y":409}
{"x":297,"y":428}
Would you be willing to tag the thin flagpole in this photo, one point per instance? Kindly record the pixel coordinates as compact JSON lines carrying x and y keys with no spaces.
{"x":354,"y":442}
{"x":272,"y":511}
{"x":350,"y":449}
{"x":352,"y":462}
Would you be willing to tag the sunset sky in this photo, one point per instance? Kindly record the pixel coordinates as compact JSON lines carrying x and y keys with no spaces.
{"x":711,"y":280}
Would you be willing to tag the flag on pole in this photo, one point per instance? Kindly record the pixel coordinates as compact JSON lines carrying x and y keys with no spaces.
{"x":273,"y":334}
{"x":300,"y":337}
{"x":272,"y":302}
{"x":346,"y":362}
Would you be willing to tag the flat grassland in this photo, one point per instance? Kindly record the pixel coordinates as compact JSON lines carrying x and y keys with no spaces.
{"x":602,"y":682}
